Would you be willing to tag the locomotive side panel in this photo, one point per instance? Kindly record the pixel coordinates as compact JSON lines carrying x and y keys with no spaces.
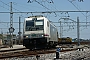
{"x":46,"y":28}
{"x":53,"y":33}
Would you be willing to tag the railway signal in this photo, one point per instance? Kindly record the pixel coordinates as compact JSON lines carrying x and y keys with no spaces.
{"x":11,"y":30}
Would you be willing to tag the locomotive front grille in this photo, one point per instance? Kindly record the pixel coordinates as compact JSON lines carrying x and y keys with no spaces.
{"x":36,"y":35}
{"x":30,"y":36}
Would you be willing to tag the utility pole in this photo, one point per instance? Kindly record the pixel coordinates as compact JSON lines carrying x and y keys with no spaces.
{"x":19,"y":30}
{"x":60,"y":30}
{"x":78,"y":33}
{"x":11,"y":25}
{"x":11,"y":29}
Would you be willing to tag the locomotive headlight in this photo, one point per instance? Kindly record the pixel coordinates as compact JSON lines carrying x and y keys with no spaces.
{"x":26,"y":36}
{"x":42,"y":35}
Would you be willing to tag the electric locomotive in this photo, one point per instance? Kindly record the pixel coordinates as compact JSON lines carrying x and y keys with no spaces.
{"x":39,"y":33}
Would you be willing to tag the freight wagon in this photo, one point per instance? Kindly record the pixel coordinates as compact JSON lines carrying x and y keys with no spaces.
{"x":65,"y":40}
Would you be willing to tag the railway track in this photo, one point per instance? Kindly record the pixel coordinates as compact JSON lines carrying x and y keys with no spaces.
{"x":26,"y":52}
{"x":22,"y":53}
{"x":82,"y":43}
{"x":11,"y":52}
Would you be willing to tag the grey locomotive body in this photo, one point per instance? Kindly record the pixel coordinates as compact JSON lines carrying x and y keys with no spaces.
{"x":39,"y":32}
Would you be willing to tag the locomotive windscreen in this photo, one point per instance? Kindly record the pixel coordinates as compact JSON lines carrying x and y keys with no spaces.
{"x":33,"y":25}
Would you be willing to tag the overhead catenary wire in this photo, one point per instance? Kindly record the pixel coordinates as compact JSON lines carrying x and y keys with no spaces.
{"x":12,"y":8}
{"x":8,"y":5}
{"x":4,"y":7}
{"x":11,"y":12}
{"x":76,"y":7}
{"x":42,"y":5}
{"x":49,"y":11}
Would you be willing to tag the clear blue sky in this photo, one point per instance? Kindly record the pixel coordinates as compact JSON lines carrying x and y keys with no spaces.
{"x":45,"y":5}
